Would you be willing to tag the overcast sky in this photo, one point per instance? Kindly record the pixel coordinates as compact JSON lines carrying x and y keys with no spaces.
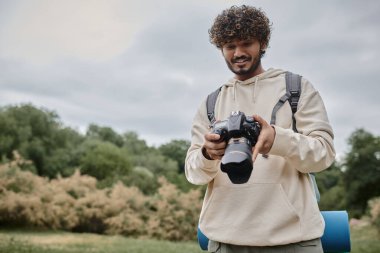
{"x":145,"y":66}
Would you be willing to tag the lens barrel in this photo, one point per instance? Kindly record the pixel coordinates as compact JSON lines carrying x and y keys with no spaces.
{"x":237,"y":160}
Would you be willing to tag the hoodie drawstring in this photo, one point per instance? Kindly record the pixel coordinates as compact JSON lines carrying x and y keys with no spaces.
{"x":235,"y":84}
{"x":254,"y":89}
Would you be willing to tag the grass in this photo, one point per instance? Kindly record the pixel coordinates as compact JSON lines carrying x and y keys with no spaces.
{"x":364,"y":239}
{"x":27,"y":241}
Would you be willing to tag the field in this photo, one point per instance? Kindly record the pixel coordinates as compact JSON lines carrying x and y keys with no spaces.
{"x":20,"y":241}
{"x":364,"y":240}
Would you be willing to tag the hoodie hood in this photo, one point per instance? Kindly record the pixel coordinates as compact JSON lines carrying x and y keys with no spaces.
{"x":270,"y":73}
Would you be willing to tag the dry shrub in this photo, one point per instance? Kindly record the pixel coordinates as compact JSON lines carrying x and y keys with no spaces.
{"x":175,"y":215}
{"x":374,"y":205}
{"x":19,"y":194}
{"x":76,"y":204}
{"x":73,"y":202}
{"x":128,"y":211}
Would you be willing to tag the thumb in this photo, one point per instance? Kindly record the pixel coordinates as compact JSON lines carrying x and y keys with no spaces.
{"x":259,"y":119}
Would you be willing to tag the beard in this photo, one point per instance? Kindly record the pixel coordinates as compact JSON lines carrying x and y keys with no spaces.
{"x":244,"y":71}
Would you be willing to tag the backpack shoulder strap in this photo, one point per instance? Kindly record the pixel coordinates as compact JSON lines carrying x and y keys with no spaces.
{"x":210,"y":103}
{"x":293,"y":87}
{"x":293,"y":93}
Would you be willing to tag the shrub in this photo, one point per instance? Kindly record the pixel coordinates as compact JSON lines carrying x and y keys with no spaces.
{"x":76,"y":204}
{"x":175,"y":215}
{"x":374,"y":205}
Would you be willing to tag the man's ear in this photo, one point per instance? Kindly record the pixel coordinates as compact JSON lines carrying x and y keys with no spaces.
{"x":263,"y":47}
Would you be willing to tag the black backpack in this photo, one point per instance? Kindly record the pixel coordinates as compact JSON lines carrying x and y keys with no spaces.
{"x":292,"y":95}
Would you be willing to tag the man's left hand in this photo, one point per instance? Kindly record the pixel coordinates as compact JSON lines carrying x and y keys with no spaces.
{"x":265,"y":139}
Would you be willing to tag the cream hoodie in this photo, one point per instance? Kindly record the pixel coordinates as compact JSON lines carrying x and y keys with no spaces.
{"x":277,"y":205}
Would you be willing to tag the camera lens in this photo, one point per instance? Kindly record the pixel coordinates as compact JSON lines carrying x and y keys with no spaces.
{"x":237,"y":161}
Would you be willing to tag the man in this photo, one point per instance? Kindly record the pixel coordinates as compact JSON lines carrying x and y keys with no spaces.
{"x":276,"y":210}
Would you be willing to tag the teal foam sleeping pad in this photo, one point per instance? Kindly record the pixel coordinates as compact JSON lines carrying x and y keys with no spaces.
{"x":335,"y":239}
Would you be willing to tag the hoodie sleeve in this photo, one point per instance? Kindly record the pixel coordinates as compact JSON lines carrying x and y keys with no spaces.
{"x":312,"y":148}
{"x":198,"y":169}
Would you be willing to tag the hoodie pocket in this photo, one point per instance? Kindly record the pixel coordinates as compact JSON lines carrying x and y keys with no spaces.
{"x":262,"y":212}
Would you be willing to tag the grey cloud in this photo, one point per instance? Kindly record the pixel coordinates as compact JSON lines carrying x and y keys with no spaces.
{"x":155,"y":86}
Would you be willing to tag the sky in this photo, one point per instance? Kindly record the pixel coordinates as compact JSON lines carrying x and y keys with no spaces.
{"x":145,"y":66}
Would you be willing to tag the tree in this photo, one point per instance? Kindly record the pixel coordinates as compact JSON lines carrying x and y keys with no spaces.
{"x":362,"y":174}
{"x":103,"y":159}
{"x":104,"y":134}
{"x":329,"y":178}
{"x":39,"y":135}
{"x":176,"y":150}
{"x":134,"y":144}
{"x":330,"y":185}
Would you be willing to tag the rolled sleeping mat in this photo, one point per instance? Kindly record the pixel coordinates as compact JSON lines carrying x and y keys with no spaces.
{"x":335,"y":239}
{"x":202,"y":240}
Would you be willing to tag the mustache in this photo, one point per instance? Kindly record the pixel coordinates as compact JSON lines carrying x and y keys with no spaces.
{"x":240,"y":58}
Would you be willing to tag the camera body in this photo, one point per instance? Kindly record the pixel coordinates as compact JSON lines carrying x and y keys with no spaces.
{"x":241,"y":133}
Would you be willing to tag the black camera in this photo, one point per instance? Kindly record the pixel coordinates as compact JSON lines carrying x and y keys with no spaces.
{"x":241,"y":133}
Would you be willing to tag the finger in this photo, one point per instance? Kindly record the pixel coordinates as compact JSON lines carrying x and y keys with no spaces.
{"x":215,"y":145}
{"x":256,"y":150}
{"x":217,"y":157}
{"x":216,"y":154}
{"x":212,"y":137}
{"x":255,"y":154}
{"x":219,"y":145}
{"x":260,"y":120}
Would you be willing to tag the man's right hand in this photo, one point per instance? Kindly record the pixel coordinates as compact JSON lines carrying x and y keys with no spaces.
{"x":213,"y":148}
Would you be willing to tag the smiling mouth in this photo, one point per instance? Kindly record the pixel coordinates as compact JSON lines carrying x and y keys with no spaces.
{"x":240,"y":60}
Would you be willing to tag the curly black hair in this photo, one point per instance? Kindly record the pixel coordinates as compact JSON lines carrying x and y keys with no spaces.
{"x":244,"y":22}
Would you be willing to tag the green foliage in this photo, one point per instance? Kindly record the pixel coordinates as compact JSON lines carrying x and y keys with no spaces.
{"x":176,"y":150}
{"x":104,"y":134}
{"x":142,"y":178}
{"x":329,"y":178}
{"x":134,"y":144}
{"x":38,"y":135}
{"x":163,"y":161}
{"x":330,"y":185}
{"x":334,"y":199}
{"x":353,"y":183}
{"x":362,"y":171}
{"x":53,"y":149}
{"x":103,"y":159}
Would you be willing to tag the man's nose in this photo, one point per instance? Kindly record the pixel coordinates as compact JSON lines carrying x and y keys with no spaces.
{"x":238,"y":52}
